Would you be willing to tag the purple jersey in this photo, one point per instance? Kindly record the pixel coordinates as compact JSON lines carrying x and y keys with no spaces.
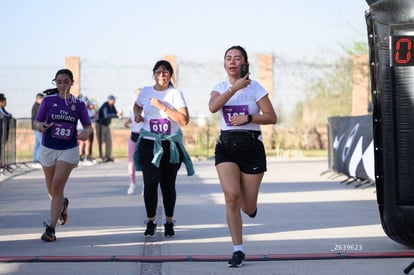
{"x":63,"y":115}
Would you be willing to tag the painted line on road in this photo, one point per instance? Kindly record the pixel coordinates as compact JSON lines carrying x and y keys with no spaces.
{"x":207,"y":258}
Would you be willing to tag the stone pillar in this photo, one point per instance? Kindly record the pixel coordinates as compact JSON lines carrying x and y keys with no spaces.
{"x":173,"y":61}
{"x":73,"y":63}
{"x":265,"y":78}
{"x":360,"y":85}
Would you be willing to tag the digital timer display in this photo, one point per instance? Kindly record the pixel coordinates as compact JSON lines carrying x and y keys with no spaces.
{"x":402,"y":50}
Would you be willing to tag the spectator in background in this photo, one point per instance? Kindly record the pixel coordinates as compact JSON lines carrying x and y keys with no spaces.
{"x":105,"y":114}
{"x":4,"y":127}
{"x":6,"y":116}
{"x":92,"y":116}
{"x":84,"y":145}
{"x":3,"y":103}
{"x":135,"y":127}
{"x":37,"y":134}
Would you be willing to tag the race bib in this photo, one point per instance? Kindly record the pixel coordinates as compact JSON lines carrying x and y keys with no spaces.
{"x":160,"y":126}
{"x":234,"y":110}
{"x":62,"y":130}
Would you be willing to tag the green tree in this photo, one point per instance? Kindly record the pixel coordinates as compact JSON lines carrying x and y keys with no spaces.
{"x":330,"y":92}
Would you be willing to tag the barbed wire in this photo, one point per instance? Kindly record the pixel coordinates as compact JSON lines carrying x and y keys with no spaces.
{"x":20,"y":83}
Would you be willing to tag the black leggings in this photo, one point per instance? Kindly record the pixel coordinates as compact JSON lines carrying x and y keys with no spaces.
{"x":166,"y":175}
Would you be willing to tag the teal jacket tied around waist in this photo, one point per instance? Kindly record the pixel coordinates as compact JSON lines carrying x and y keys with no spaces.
{"x":158,"y":151}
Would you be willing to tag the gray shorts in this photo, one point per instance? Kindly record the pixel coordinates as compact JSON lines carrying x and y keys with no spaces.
{"x":48,"y":157}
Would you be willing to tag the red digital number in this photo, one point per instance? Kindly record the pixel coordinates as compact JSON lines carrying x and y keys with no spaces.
{"x":398,"y":58}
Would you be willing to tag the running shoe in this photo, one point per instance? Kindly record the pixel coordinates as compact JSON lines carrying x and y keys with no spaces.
{"x":254,"y":214}
{"x":49,"y":235}
{"x":237,"y":259}
{"x":131,"y":189}
{"x":150,"y":231}
{"x":169,"y":229}
{"x":63,"y":218}
{"x":90,"y":159}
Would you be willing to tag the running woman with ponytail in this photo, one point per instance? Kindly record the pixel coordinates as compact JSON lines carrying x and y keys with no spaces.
{"x":56,"y":119}
{"x":240,"y":157}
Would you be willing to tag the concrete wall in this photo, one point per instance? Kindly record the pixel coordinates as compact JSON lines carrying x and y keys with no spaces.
{"x":73,"y":63}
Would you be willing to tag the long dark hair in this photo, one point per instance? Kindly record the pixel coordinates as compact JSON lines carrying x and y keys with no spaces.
{"x":51,"y":91}
{"x":168,"y":66}
{"x":240,"y":49}
{"x":66,"y":72}
{"x":55,"y":90}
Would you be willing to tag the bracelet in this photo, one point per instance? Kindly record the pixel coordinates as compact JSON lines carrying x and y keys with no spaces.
{"x":249,"y":118}
{"x":165,"y":109}
{"x":230,"y":90}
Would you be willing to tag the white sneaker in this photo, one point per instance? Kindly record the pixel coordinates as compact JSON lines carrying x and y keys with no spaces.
{"x":131,"y":189}
{"x":86,"y":162}
{"x":36,"y":165}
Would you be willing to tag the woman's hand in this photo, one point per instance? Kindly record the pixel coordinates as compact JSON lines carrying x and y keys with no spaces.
{"x":138,"y":118}
{"x":42,"y":126}
{"x":236,"y":120}
{"x":241,"y":83}
{"x":158,"y":104}
{"x":127,"y":122}
{"x":218,"y":100}
{"x":85,"y":133}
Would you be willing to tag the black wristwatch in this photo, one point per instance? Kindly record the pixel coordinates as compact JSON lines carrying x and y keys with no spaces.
{"x":249,"y":118}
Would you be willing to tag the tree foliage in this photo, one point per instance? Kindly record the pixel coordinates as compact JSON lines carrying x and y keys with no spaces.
{"x":330,"y":92}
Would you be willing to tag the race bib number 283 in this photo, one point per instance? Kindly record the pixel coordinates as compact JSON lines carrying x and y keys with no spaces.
{"x":63,"y":130}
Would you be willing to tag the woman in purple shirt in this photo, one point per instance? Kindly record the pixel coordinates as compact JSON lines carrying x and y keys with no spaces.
{"x":57,"y":118}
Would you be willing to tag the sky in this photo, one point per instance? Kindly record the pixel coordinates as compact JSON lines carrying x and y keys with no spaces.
{"x":119,"y":41}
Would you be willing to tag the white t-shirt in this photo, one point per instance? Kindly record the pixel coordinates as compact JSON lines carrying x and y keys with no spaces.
{"x":155,"y":120}
{"x":243,"y":102}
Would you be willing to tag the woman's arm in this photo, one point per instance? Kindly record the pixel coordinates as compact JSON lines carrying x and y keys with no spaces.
{"x":179,"y":116}
{"x":268,"y":114}
{"x":127,"y":123}
{"x":41,"y":126}
{"x":218,"y":100}
{"x":137,"y":113}
{"x":85,"y":133}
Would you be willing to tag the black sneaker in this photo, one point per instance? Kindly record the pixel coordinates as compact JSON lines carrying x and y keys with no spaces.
{"x":254,"y":214}
{"x":237,"y":259}
{"x":108,"y":160}
{"x":150,"y":231}
{"x":169,"y":229}
{"x":49,"y":235}
{"x":63,"y":218}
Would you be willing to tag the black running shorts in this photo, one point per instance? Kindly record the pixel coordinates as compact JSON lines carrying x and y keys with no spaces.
{"x":250,"y":162}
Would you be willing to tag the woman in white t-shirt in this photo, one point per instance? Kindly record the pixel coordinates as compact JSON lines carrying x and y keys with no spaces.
{"x":160,"y":150}
{"x":240,"y":157}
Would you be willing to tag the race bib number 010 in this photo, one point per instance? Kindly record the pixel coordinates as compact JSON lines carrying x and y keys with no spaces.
{"x":160,"y":126}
